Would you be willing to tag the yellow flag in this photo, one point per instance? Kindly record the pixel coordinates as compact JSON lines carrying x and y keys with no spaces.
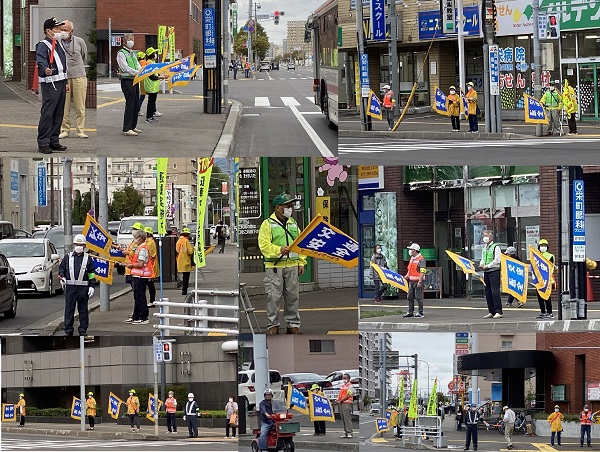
{"x":412,"y":407}
{"x":204,"y":172}
{"x":432,"y":404}
{"x":401,"y":394}
{"x":161,"y":194}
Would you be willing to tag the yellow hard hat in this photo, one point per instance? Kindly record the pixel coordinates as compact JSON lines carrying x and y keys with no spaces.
{"x":150,"y":51}
{"x":137,"y":226}
{"x":471,"y":83}
{"x":149,"y":230}
{"x":132,"y":391}
{"x":90,"y":393}
{"x":21,"y":395}
{"x":452,"y":87}
{"x":186,"y":231}
{"x":141,"y":55}
{"x":543,"y":242}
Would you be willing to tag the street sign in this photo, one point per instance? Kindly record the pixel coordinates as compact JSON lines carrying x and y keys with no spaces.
{"x":158,"y":351}
{"x":578,"y":222}
{"x":460,"y":340}
{"x":262,"y":17}
{"x":461,"y":352}
{"x":364,"y":75}
{"x":250,"y":22}
{"x":251,"y":29}
{"x":210,"y":38}
{"x":494,"y":70}
{"x":542,"y":26}
{"x":462,"y":335}
{"x":41,"y":183}
{"x":14,"y":181}
{"x":378,"y":20}
{"x":447,"y":8}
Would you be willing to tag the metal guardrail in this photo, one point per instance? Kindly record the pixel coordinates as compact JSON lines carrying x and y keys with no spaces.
{"x":424,"y":432}
{"x":203,"y":312}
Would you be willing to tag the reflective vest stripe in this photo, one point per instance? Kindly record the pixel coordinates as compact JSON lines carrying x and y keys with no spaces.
{"x":148,"y":269}
{"x":413,"y":268}
{"x":79,"y":281}
{"x":190,"y":408}
{"x":62,"y":71}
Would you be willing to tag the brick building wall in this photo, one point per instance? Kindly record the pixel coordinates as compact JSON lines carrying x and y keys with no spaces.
{"x":577,"y":361}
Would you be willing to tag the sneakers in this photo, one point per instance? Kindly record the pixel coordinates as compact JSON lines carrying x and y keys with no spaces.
{"x":82,"y":135}
{"x":350,"y":436}
{"x":151,"y":120}
{"x":136,"y":130}
{"x":141,"y":322}
{"x":63,"y":135}
{"x":409,"y":314}
{"x":419,"y":316}
{"x":488,"y":316}
{"x":158,"y":113}
{"x":140,"y":113}
{"x":541,"y":316}
{"x":497,"y":315}
{"x":130,"y":133}
{"x":346,"y":436}
{"x":508,"y":305}
{"x":129,"y":320}
{"x":293,"y":330}
{"x":549,"y":316}
{"x":378,"y":300}
{"x":520,"y":305}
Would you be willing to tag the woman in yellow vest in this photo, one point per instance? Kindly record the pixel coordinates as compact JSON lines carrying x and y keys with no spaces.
{"x":133,"y":410}
{"x":555,"y":421}
{"x":90,"y":409}
{"x":152,"y":86}
{"x":319,"y":425}
{"x":21,"y":408}
{"x":453,"y":107}
{"x":472,"y":107}
{"x":152,"y":251}
{"x":570,"y":106}
{"x":546,"y":305}
{"x":185,"y":258}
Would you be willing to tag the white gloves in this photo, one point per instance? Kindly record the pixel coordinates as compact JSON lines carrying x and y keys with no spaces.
{"x":63,"y":282}
{"x":184,"y":417}
{"x":90,"y":292}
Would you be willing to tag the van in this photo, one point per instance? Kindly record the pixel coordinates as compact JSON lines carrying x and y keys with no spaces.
{"x":7,"y":230}
{"x":125,"y":236}
{"x":56,"y":235}
{"x":247,"y":386}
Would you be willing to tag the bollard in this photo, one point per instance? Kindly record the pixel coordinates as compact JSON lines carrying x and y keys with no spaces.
{"x":573,"y":304}
{"x":581,"y":308}
{"x":565,"y":306}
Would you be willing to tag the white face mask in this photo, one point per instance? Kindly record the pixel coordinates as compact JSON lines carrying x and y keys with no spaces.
{"x":190,"y":399}
{"x":130,"y":394}
{"x":345,"y":380}
{"x":78,"y":249}
{"x":378,"y":250}
{"x":231,"y":400}
{"x":586,"y":410}
{"x":543,"y":249}
{"x":287,"y":212}
{"x":486,"y":239}
{"x":556,"y":409}
{"x":452,"y":91}
{"x":130,"y":44}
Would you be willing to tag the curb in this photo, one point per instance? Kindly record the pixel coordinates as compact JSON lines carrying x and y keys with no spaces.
{"x":310,"y":445}
{"x":225,"y":143}
{"x":59,"y":323}
{"x":432,"y":135}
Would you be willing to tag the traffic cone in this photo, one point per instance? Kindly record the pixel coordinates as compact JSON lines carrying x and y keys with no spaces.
{"x":35,"y":85}
{"x":589,"y":292}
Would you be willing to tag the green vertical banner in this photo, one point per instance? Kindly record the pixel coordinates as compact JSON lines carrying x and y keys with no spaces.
{"x":161,"y":194}
{"x":162,"y":34}
{"x":235,"y":22}
{"x":412,"y":408}
{"x":172,"y":44}
{"x":401,"y":394}
{"x":432,"y":404}
{"x":203,"y":182}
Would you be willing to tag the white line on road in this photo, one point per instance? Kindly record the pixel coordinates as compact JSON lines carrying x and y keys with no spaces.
{"x":316,"y":139}
{"x":310,"y":112}
{"x":292,"y":78}
{"x":290,"y":102}
{"x":262,"y":102}
{"x":251,"y":114}
{"x":311,"y":98}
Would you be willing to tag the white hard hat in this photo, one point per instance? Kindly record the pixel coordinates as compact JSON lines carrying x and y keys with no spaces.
{"x":414,"y":246}
{"x":191,"y":394}
{"x":386,"y":87}
{"x":79,"y":239}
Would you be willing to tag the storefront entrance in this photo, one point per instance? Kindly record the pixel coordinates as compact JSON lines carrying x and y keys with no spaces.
{"x":589,"y":81}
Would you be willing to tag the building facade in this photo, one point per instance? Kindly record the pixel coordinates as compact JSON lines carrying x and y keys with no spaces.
{"x":295,"y":39}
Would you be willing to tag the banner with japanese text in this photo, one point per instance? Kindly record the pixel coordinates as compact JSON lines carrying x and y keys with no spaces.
{"x":182,"y":78}
{"x":534,"y":110}
{"x":161,"y":194}
{"x":8,"y":412}
{"x":391,"y":277}
{"x":374,"y":106}
{"x":96,"y":238}
{"x":320,"y":408}
{"x":114,"y":405}
{"x":205,"y":166}
{"x":441,"y":104}
{"x":465,"y":264}
{"x":514,"y":277}
{"x":542,"y":269}
{"x":151,"y":411}
{"x":103,"y":269}
{"x":432,"y":403}
{"x":412,"y":407}
{"x":296,"y":400}
{"x":76,"y":408}
{"x":382,"y":425}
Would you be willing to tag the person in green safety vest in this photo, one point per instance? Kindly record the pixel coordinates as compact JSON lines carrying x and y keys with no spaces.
{"x":128,"y":69}
{"x":553,"y":102}
{"x":282,"y":266}
{"x":152,"y":86}
{"x":490,"y":264}
{"x":546,"y":305}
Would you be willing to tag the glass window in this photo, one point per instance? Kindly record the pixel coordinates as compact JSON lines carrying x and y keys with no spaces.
{"x":479,"y":197}
{"x":529,"y":195}
{"x":568,"y":44}
{"x":505,"y":196}
{"x":589,"y":44}
{"x":384,"y":64}
{"x":322,"y":346}
{"x":507,"y":344}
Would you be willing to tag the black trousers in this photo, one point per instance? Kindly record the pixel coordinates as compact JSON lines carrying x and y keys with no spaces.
{"x":380,"y":288}
{"x":151,"y":107}
{"x":76,"y":296}
{"x":233,"y":430}
{"x":22,"y":421}
{"x":192,"y":425}
{"x":132,"y":103}
{"x":140,"y":306}
{"x":471,"y":434}
{"x":134,"y":420}
{"x":51,"y":116}
{"x":171,"y":422}
{"x":492,"y":291}
{"x":221,"y":242}
{"x":473,"y":123}
{"x":389,"y":115}
{"x":455,"y":122}
{"x":151,"y":290}
{"x":545,"y":305}
{"x":319,"y":427}
{"x":572,"y":123}
{"x":235,"y":73}
{"x":91,"y":421}
{"x":186,"y":282}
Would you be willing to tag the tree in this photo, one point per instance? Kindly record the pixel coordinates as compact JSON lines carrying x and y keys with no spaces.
{"x":78,"y":214}
{"x":260,"y":42}
{"x":441,"y":397}
{"x":126,"y":202}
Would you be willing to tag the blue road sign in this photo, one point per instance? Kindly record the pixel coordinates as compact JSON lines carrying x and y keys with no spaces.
{"x":364,"y":75}
{"x":578,"y":222}
{"x":378,"y":20}
{"x":462,"y":335}
{"x":41,"y":184}
{"x":210,"y":38}
{"x":494,"y":70}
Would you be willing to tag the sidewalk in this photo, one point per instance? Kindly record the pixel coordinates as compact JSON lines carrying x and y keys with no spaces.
{"x":111,"y":431}
{"x":19,"y":119}
{"x":430,"y":125}
{"x":220,"y":273}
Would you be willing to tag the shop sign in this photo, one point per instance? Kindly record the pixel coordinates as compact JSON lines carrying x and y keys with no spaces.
{"x":429,"y":23}
{"x":249,"y":193}
{"x":559,"y":393}
{"x":370,"y":177}
{"x":578,"y":222}
{"x":593,"y":391}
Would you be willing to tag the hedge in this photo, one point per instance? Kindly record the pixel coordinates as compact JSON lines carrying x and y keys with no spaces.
{"x":218,"y":414}
{"x":568,"y":417}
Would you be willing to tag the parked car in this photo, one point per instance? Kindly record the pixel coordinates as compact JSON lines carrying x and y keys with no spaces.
{"x":113,"y":229}
{"x":7,"y":230}
{"x":125,"y":236}
{"x":39,"y":234}
{"x":291,"y":65}
{"x":8,"y":289}
{"x":22,"y":234}
{"x":374,"y":411}
{"x":247,"y":388}
{"x":56,"y":235}
{"x":303,"y":381}
{"x":336,"y":377}
{"x":35,"y":263}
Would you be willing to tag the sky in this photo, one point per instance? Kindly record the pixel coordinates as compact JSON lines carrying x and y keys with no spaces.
{"x":434,"y":348}
{"x":294,"y":10}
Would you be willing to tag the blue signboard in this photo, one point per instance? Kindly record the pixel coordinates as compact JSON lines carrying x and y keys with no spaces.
{"x":14,"y":181}
{"x":462,"y":335}
{"x":210,"y":38}
{"x":97,"y":239}
{"x":378,"y":20}
{"x":578,"y":222}
{"x":76,"y":408}
{"x":320,"y":408}
{"x":374,"y":106}
{"x":41,"y":184}
{"x":429,"y":23}
{"x":382,"y":425}
{"x":514,"y":275}
{"x":494,"y":70}
{"x":8,"y":412}
{"x":364,"y":75}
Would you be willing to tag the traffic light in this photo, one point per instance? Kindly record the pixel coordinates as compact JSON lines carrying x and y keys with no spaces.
{"x":553,"y":26}
{"x":167,"y":349}
{"x":276,"y":17}
{"x":306,"y":33}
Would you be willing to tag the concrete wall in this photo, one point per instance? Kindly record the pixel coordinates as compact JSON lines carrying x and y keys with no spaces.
{"x":570,"y":429}
{"x":334,"y":276}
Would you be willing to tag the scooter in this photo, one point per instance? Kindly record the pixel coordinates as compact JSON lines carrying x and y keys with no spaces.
{"x":281,"y":435}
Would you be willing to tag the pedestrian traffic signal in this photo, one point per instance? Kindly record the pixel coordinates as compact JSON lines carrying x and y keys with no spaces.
{"x":276,"y":17}
{"x":167,"y":356}
{"x":553,"y":26}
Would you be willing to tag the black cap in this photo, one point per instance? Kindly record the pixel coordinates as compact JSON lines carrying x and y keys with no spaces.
{"x":49,"y":24}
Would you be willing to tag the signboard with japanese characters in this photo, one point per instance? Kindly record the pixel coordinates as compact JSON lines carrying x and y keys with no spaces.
{"x":364,"y":75}
{"x":429,"y":23}
{"x":210,"y":38}
{"x":578,"y":222}
{"x":378,"y":20}
{"x":447,"y":9}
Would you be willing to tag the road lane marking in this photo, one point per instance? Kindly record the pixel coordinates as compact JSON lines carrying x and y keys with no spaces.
{"x":290,"y":102}
{"x":262,"y":102}
{"x":251,"y":114}
{"x":316,"y":139}
{"x":310,"y":112}
{"x":311,"y":99}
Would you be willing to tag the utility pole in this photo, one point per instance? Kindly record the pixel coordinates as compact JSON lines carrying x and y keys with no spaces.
{"x":103,"y":220}
{"x":537,"y":59}
{"x":249,"y":34}
{"x":93,"y":191}
{"x":68,"y":204}
{"x":155,"y":368}
{"x":461,"y":47}
{"x":383,"y":375}
{"x":490,"y":105}
{"x":226,"y":53}
{"x":261,"y":365}
{"x":82,"y":379}
{"x":51,"y":192}
{"x":109,"y":48}
{"x":393,"y":51}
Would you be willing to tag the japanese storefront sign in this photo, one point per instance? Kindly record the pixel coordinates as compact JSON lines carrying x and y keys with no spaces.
{"x":447,"y":8}
{"x":378,"y":20}
{"x":578,"y":222}
{"x":429,"y":23}
{"x":210,"y":39}
{"x":494,"y":70}
{"x":364,"y":75}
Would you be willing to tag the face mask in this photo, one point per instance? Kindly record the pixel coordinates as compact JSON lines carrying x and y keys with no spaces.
{"x":556,"y":409}
{"x":190,"y":399}
{"x":543,"y":249}
{"x":130,"y":44}
{"x":452,"y":91}
{"x":78,"y":249}
{"x":345,"y":380}
{"x":287,"y":212}
{"x":586,"y":410}
{"x":486,"y":239}
{"x":231,"y":400}
{"x":378,"y":250}
{"x":130,"y":395}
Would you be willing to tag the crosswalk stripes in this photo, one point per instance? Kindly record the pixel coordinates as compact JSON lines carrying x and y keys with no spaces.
{"x":74,"y":444}
{"x":283,"y":101}
{"x":289,"y":101}
{"x":261,"y":102}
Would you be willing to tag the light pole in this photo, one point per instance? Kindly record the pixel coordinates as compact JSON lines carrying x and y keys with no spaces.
{"x":425,"y":362}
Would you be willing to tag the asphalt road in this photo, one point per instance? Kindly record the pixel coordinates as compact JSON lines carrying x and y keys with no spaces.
{"x":43,"y":443}
{"x":34,"y":312}
{"x":279,"y":117}
{"x":388,"y":151}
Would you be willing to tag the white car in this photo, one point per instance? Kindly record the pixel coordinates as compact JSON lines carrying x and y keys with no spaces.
{"x":264,"y":66}
{"x":291,"y":65}
{"x":374,"y":411}
{"x":35,"y":262}
{"x":247,"y":386}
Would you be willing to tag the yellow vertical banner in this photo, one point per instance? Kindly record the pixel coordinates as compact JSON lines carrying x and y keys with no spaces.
{"x":203,"y":182}
{"x":172,"y":44}
{"x":412,"y":407}
{"x":161,"y":194}
{"x":432,"y":404}
{"x":162,"y":33}
{"x":401,"y":394}
{"x":323,"y":207}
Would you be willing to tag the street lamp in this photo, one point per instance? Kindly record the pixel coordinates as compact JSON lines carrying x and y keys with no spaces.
{"x":425,"y":362}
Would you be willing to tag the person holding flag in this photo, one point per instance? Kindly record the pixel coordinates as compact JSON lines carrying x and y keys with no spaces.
{"x":152,"y":250}
{"x":490,"y":264}
{"x":78,"y":278}
{"x":21,"y":407}
{"x":133,"y":411}
{"x":552,"y":101}
{"x":90,"y":409}
{"x":379,"y":259}
{"x":128,"y":69}
{"x":546,"y":305}
{"x":389,"y":103}
{"x":319,"y":425}
{"x":453,"y":107}
{"x":282,"y":267}
{"x":185,"y":258}
{"x":569,"y":99}
{"x":346,"y":400}
{"x":152,"y":86}
{"x":142,"y":268}
{"x":415,"y":275}
{"x":51,"y":61}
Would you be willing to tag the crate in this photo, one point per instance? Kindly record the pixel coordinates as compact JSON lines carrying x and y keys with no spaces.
{"x":289,"y":427}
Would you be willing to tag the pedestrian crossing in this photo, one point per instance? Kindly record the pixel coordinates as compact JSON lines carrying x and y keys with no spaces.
{"x":283,"y":101}
{"x":75,"y":444}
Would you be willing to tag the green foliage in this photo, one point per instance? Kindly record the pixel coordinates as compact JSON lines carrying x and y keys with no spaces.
{"x":126,"y":202}
{"x":441,"y":397}
{"x":540,"y":415}
{"x":92,"y":72}
{"x":53,"y":412}
{"x":366,"y":400}
{"x":260,"y":42}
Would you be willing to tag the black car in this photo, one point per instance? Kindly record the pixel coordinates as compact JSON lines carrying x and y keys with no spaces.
{"x":303,"y":381}
{"x":8,"y":289}
{"x":275,"y":66}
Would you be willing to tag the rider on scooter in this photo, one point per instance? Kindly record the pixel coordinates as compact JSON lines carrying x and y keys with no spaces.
{"x":266,"y":420}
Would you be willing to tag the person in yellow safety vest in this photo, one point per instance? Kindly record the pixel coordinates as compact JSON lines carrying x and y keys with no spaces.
{"x":142,"y":267}
{"x":133,"y":410}
{"x":282,"y":266}
{"x":389,"y":104}
{"x":569,"y":99}
{"x":552,"y":101}
{"x":555,"y":420}
{"x":185,"y":258}
{"x":585,"y":419}
{"x":319,"y":425}
{"x":453,"y":107}
{"x":472,"y":107}
{"x":22,"y":412}
{"x":128,"y":69}
{"x":490,"y":264}
{"x":142,"y":62}
{"x":152,"y":250}
{"x":546,"y":305}
{"x":415,"y":276}
{"x":171,"y":408}
{"x":152,"y":86}
{"x":345,"y":400}
{"x":90,"y":409}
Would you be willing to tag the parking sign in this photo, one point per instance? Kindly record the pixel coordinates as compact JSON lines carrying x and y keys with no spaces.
{"x":578,"y":222}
